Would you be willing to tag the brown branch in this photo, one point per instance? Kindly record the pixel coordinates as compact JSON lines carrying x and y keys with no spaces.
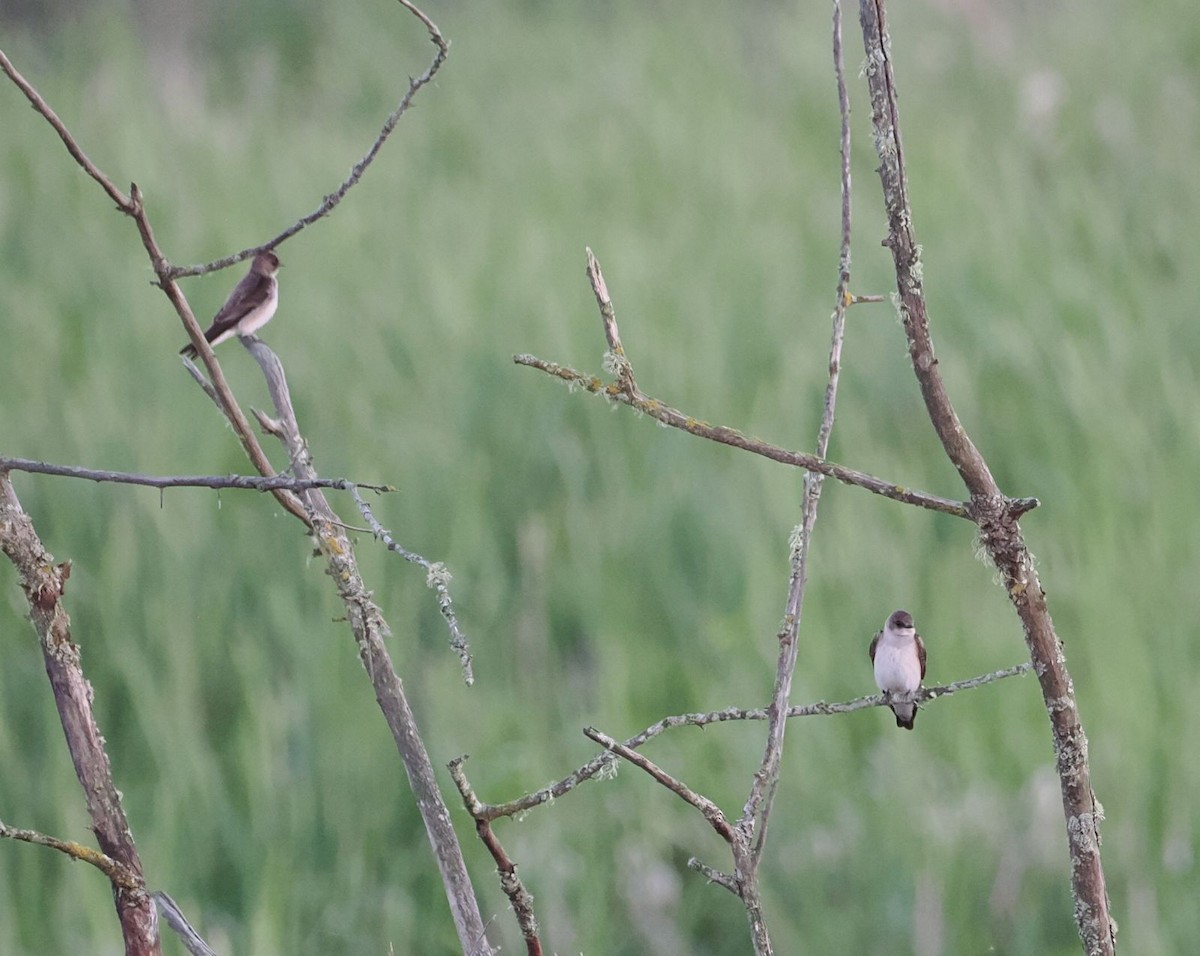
{"x":709,"y":810}
{"x":674,"y":418}
{"x":42,"y":107}
{"x":44,"y":583}
{"x":626,"y":391}
{"x":518,"y":896}
{"x":370,"y":633}
{"x":133,"y":205}
{"x":331,"y":201}
{"x":996,"y":515}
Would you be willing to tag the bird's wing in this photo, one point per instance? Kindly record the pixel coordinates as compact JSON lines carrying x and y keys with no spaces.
{"x":875,"y":642}
{"x":246,"y":296}
{"x":921,"y":653}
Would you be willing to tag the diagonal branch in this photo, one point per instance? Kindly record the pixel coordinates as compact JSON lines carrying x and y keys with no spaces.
{"x":674,"y":418}
{"x":709,"y":810}
{"x":42,"y":107}
{"x":999,"y":529}
{"x":330,"y":202}
{"x":44,"y":584}
{"x":370,"y":631}
{"x":518,"y":896}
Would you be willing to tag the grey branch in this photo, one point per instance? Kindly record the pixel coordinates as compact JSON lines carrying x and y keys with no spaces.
{"x":753,"y":825}
{"x":370,"y":631}
{"x":437,"y":577}
{"x":714,"y":875}
{"x":602,"y":764}
{"x":245,"y":482}
{"x":178,"y":922}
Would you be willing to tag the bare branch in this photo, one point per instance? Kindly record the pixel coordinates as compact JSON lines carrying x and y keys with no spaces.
{"x":709,"y":810}
{"x":602,"y":764}
{"x":243,"y":482}
{"x":757,"y":811}
{"x":179,"y":923}
{"x":370,"y":633}
{"x":626,"y":391}
{"x":437,"y":577}
{"x":44,"y":584}
{"x":714,"y":875}
{"x":520,"y":898}
{"x":118,"y":873}
{"x":996,"y":515}
{"x":330,"y":202}
{"x":728,"y":436}
{"x":42,"y":107}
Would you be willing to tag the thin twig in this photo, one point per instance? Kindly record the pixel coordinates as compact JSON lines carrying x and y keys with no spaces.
{"x":437,"y":577}
{"x":714,"y":875}
{"x":709,"y":810}
{"x":331,"y":201}
{"x":518,"y":896}
{"x":117,"y":872}
{"x":757,"y":811}
{"x":42,"y":107}
{"x":244,"y":482}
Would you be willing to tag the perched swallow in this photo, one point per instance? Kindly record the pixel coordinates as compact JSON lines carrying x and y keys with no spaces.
{"x":898,"y":654}
{"x":250,"y":305}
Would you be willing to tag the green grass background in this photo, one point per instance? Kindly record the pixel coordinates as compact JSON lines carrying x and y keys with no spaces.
{"x":607,"y":571}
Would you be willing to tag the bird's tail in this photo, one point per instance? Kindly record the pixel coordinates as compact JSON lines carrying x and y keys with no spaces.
{"x":905,"y":722}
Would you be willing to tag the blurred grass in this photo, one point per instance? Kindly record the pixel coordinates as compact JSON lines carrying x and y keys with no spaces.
{"x":609,"y":572}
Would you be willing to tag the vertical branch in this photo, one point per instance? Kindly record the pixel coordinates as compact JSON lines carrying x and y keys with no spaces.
{"x":756,"y":814}
{"x":995,"y":514}
{"x":44,"y":583}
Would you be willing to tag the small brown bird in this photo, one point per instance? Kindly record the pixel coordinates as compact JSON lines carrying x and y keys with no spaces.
{"x":250,"y":305}
{"x":898,"y":654}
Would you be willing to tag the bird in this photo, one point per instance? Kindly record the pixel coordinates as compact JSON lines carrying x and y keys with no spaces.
{"x":250,"y":305}
{"x":898,"y":654}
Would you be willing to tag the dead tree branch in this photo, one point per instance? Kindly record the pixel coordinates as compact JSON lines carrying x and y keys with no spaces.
{"x":753,"y":825}
{"x":44,"y":584}
{"x":330,"y":202}
{"x":994,"y":513}
{"x":602,"y":764}
{"x":216,"y":482}
{"x":370,"y":633}
{"x":518,"y":896}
